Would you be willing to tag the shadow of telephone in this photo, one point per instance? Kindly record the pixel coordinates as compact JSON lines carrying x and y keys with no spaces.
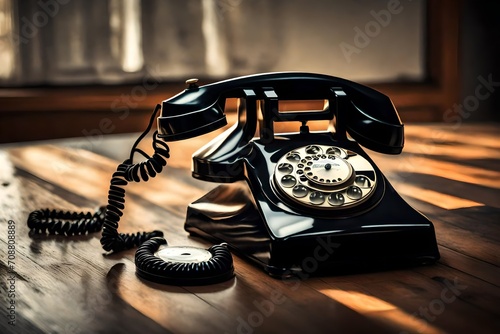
{"x":291,"y":203}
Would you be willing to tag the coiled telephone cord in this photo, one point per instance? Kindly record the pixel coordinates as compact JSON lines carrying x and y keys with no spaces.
{"x":107,"y":218}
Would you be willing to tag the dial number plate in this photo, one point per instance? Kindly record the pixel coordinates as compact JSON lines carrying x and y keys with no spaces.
{"x":325,"y":177}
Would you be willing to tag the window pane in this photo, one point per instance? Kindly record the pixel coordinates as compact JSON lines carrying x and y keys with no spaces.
{"x":121,"y":41}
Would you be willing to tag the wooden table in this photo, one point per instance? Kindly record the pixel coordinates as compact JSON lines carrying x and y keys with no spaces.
{"x":66,"y":285}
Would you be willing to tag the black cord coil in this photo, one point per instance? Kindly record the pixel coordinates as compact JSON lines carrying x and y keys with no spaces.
{"x":80,"y":223}
{"x":127,"y":172}
{"x":65,"y":223}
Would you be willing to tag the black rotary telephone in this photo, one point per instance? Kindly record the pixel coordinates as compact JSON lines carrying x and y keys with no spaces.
{"x":302,"y":202}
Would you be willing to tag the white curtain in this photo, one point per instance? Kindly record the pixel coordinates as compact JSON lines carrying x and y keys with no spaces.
{"x":75,"y":42}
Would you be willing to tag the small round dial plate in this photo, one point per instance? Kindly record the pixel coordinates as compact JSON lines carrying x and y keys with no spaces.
{"x":325,"y":177}
{"x":183,"y":254}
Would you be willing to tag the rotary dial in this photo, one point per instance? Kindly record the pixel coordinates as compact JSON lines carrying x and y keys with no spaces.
{"x":325,"y":177}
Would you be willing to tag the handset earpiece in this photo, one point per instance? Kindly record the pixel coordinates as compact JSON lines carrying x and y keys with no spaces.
{"x":187,"y":115}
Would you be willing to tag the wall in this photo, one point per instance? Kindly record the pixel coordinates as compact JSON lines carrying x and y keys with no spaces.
{"x":480,"y":57}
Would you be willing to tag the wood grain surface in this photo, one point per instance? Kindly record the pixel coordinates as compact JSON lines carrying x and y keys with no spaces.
{"x":68,"y":285}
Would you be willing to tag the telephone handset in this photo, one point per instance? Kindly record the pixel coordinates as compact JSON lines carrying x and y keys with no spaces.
{"x":321,"y":170}
{"x":284,"y":198}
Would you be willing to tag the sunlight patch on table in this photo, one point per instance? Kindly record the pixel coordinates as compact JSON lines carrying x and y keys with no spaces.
{"x":380,"y":311}
{"x":441,"y":200}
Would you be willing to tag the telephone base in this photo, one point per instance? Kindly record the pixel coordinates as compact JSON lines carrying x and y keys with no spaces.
{"x":382,"y":240}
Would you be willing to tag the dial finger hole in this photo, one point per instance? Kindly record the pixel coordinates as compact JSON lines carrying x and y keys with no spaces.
{"x":293,"y":157}
{"x":334,"y":150}
{"x":336,"y":199}
{"x":317,"y":198}
{"x":285,"y":168}
{"x":288,"y":181}
{"x":300,"y":191}
{"x":354,"y":192}
{"x":313,"y":149}
{"x":362,"y":181}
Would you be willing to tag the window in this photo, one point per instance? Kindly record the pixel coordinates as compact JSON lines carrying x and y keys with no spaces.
{"x":61,"y":42}
{"x":67,"y":57}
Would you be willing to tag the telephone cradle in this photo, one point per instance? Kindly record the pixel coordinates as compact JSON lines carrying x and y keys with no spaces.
{"x":304,"y":202}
